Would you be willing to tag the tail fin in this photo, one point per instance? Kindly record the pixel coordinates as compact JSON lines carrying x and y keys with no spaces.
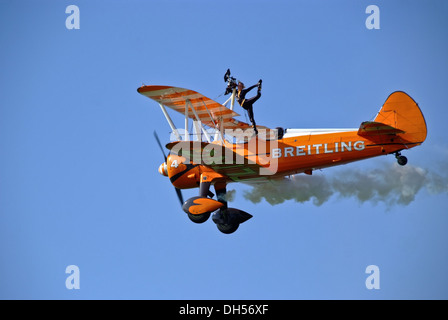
{"x":399,"y":115}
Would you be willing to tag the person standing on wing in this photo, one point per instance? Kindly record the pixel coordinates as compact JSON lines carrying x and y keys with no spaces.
{"x":247,"y":104}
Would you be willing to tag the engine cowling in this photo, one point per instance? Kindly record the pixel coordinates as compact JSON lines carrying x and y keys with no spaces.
{"x":183,"y":174}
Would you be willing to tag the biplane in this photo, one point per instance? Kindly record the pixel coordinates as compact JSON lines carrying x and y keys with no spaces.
{"x":222,"y":149}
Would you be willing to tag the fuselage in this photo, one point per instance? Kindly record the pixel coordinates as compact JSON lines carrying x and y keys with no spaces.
{"x":299,"y":151}
{"x":305,"y":150}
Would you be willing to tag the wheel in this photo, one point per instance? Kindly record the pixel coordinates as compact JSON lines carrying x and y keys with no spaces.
{"x":199,"y":218}
{"x":402,"y":160}
{"x":227,"y":228}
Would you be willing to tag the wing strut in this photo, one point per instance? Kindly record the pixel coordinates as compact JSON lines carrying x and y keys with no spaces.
{"x":214,"y":123}
{"x":231,"y":99}
{"x":170,"y":122}
{"x":188,"y":104}
{"x":187,"y":137}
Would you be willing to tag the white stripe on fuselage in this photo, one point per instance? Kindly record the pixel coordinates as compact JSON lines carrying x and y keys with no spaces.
{"x":290,"y":133}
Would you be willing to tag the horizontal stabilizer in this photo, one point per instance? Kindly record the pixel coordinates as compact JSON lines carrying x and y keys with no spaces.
{"x":372,"y":128}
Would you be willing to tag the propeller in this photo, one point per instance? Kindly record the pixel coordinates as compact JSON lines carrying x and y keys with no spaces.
{"x":179,"y":195}
{"x":178,"y":191}
{"x":160,"y":145}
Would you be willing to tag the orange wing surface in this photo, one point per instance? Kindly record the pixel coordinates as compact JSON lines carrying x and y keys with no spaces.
{"x":209,"y":112}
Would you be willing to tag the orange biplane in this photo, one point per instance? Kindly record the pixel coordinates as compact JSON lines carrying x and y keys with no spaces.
{"x":222,"y":149}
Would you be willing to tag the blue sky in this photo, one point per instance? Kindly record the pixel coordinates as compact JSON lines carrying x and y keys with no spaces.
{"x":78,"y":163}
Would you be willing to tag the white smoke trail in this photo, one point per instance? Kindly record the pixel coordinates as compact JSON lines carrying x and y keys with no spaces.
{"x":392,"y":184}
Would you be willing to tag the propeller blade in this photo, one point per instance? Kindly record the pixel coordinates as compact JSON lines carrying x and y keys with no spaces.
{"x":178,"y":191}
{"x":160,"y":145}
{"x":179,"y":195}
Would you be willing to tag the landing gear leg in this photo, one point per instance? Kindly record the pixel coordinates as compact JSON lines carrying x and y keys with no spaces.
{"x":402,"y":160}
{"x":204,"y":191}
{"x":221,"y":217}
{"x":227,"y":219}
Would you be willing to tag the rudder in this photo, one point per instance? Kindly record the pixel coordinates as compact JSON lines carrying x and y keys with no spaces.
{"x":400,"y":111}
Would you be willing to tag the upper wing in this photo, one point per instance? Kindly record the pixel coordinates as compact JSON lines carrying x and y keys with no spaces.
{"x":209,"y":112}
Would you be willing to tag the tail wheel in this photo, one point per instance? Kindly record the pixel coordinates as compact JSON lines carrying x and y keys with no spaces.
{"x":227,"y":228}
{"x":402,"y":160}
{"x":199,"y":218}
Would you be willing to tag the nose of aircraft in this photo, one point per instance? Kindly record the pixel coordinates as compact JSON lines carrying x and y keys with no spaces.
{"x":163,"y":170}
